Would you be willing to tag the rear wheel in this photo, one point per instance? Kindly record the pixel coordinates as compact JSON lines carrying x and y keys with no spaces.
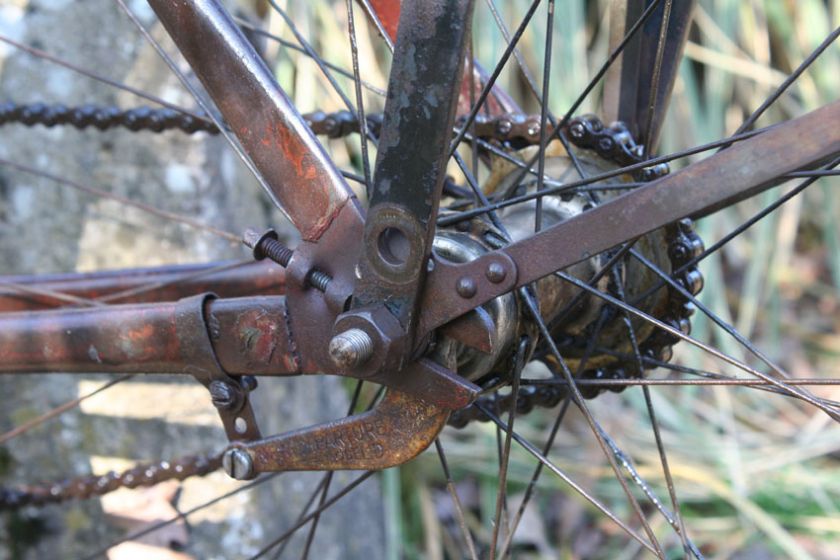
{"x":676,"y":464}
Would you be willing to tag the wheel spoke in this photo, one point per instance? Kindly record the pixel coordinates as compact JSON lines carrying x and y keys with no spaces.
{"x":313,"y":54}
{"x":364,"y":134}
{"x":738,"y":231}
{"x":58,"y":296}
{"x":549,"y":33}
{"x":647,"y":138}
{"x":501,"y":494}
{"x":38,"y":53}
{"x":59,"y":410}
{"x":201,"y":103}
{"x":567,"y":187}
{"x":595,"y":427}
{"x":143,"y":207}
{"x":456,"y":501}
{"x":596,"y":331}
{"x":488,"y":86}
{"x":782,"y":385}
{"x":677,"y":523}
{"x":530,"y":448}
{"x":303,"y":521}
{"x":789,"y":81}
{"x":291,"y":46}
{"x":134,"y":535}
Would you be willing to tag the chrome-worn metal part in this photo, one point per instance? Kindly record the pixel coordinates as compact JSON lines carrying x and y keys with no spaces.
{"x":351,"y":348}
{"x":84,"y":487}
{"x":237,"y":463}
{"x":745,"y":169}
{"x":671,"y":248}
{"x":495,"y":320}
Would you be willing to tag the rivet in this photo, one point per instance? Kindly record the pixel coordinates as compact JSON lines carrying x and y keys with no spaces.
{"x":496,"y":273}
{"x":466,"y":287}
{"x":577,"y":130}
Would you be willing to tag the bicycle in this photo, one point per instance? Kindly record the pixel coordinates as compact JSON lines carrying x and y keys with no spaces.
{"x":552,"y":264}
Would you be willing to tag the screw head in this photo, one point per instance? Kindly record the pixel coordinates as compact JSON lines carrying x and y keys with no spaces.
{"x":466,"y":287}
{"x":351,"y":348}
{"x":224,"y":396}
{"x":238,"y":464}
{"x":496,"y":273}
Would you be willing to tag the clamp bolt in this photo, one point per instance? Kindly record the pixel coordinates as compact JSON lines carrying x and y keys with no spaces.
{"x":265,"y":244}
{"x":238,"y":464}
{"x":224,"y":395}
{"x":351,"y":348}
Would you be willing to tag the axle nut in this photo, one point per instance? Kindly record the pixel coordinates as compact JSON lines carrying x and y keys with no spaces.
{"x":238,"y":464}
{"x":351,"y":348}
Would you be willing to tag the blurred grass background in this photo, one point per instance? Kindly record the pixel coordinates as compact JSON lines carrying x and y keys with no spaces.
{"x":757,"y":474}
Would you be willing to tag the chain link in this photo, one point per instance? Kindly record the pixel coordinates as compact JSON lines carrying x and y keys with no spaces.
{"x":104,"y":118}
{"x":84,"y":487}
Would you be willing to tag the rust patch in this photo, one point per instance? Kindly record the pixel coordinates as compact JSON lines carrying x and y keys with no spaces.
{"x":394,"y":432}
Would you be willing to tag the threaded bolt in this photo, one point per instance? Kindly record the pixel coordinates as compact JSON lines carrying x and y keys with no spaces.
{"x":320,"y":280}
{"x":351,"y":348}
{"x":265,"y":244}
{"x":238,"y":464}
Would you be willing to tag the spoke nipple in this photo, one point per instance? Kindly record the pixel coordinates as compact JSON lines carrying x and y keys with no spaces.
{"x":351,"y":348}
{"x":466,"y":287}
{"x":496,"y":273}
{"x":238,"y":464}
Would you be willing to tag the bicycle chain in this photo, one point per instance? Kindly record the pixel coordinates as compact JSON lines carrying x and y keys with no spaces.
{"x":84,"y":487}
{"x":103,"y":118}
{"x":613,"y":143}
{"x":616,"y":144}
{"x":333,"y":125}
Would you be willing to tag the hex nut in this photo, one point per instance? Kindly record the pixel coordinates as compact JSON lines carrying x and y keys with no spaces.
{"x":385,"y":333}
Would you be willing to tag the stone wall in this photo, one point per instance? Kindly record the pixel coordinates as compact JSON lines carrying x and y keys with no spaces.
{"x":45,"y":227}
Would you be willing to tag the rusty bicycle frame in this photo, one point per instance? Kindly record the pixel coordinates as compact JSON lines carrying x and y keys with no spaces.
{"x":379,"y":276}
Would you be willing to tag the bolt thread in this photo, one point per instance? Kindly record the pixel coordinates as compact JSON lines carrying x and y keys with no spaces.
{"x":351,"y":348}
{"x":320,"y":280}
{"x":277,"y":252}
